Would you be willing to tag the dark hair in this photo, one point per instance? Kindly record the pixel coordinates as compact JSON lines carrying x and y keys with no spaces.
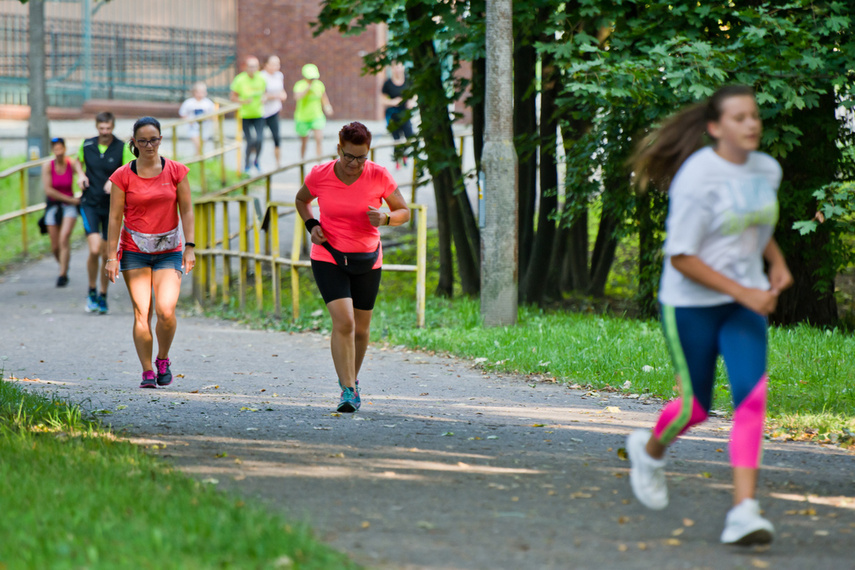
{"x":105,"y":117}
{"x":660,"y":154}
{"x":142,"y":122}
{"x":57,"y":140}
{"x":355,"y":133}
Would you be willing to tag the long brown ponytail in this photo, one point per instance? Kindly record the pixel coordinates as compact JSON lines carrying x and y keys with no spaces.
{"x":660,"y":154}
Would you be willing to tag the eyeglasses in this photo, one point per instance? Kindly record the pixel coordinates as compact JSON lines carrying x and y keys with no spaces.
{"x":350,"y":158}
{"x":153,"y":142}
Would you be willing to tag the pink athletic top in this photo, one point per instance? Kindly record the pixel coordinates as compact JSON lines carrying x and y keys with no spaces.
{"x":151,"y":204}
{"x":62,"y":183}
{"x":344,"y":209}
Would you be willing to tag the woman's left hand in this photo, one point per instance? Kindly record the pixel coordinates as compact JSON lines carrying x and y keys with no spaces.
{"x":375,"y":217}
{"x":188,"y":262}
{"x":780,"y":277}
{"x":111,"y":268}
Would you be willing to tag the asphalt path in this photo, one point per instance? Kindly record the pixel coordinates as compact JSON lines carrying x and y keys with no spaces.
{"x":445,"y":467}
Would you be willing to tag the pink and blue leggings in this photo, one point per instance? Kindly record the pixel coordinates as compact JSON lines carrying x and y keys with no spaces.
{"x":696,"y":336}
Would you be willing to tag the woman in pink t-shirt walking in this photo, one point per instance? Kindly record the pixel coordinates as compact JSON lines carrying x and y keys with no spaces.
{"x":346,"y":251}
{"x":151,"y":192}
{"x":61,"y":209}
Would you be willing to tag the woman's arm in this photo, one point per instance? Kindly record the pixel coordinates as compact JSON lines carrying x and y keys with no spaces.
{"x":303,"y":204}
{"x":52,"y":192}
{"x":399,"y":212}
{"x":758,"y":300}
{"x":117,"y":211}
{"x":780,"y":277}
{"x":188,"y":224}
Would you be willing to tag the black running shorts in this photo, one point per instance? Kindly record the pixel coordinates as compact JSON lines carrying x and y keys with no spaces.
{"x":334,"y":283}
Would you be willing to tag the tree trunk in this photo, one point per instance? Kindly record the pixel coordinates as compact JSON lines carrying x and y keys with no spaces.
{"x":525,"y":133}
{"x":650,"y":212}
{"x":37,"y":127}
{"x":444,"y":166}
{"x":479,"y":72}
{"x":812,"y":264}
{"x":535,"y":281}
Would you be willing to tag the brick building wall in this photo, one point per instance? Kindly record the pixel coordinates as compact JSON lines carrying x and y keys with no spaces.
{"x":281,"y":27}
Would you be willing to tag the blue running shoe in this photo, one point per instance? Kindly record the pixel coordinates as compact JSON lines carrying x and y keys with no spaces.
{"x":92,"y":303}
{"x":102,"y":304}
{"x":148,"y":379}
{"x":349,"y":402}
{"x":164,"y":374}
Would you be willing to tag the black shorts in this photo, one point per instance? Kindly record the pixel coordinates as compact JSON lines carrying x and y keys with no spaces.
{"x":95,"y":219}
{"x":334,"y":283}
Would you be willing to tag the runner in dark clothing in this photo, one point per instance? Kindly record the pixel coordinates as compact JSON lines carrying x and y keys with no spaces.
{"x":100,"y":156}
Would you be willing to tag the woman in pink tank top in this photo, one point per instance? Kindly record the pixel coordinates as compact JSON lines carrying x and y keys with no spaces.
{"x":61,"y":209}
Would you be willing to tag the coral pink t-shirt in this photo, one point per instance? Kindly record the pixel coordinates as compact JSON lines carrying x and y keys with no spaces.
{"x":344,"y":209}
{"x":151,"y":204}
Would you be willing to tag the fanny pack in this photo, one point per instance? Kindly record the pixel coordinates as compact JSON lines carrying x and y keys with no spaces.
{"x":155,"y":243}
{"x":355,"y":263}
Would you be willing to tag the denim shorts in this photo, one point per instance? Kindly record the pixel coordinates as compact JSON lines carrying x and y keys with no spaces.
{"x":56,"y":212}
{"x":155,"y":261}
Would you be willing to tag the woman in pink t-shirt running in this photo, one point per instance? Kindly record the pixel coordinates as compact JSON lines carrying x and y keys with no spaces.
{"x":148,"y":194}
{"x":346,"y":251}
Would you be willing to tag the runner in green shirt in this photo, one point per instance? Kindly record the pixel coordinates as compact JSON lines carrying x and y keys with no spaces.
{"x":248,"y":89}
{"x":313,"y":108}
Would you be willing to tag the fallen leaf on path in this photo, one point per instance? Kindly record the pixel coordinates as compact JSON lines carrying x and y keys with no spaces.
{"x":340,"y":455}
{"x":757,"y":563}
{"x":322,"y":428}
{"x":623,"y":520}
{"x":222,"y":454}
{"x":179,"y":376}
{"x":538,"y":425}
{"x":622,"y":547}
{"x":613,"y":409}
{"x":426,"y":525}
{"x":448,"y":434}
{"x":821,"y":533}
{"x":492,"y":437}
{"x":248,"y":409}
{"x":677,"y":532}
{"x":122,"y":407}
{"x":688,"y":522}
{"x":673,"y":542}
{"x":621,"y":453}
{"x":706,"y":475}
{"x":365,"y":524}
{"x":804,"y":512}
{"x":251,"y":429}
{"x":642,"y":546}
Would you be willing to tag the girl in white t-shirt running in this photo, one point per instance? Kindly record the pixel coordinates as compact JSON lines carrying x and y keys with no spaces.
{"x":714,"y":294}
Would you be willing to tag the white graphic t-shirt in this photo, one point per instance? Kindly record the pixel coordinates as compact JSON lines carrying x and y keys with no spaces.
{"x":725,"y":214}
{"x":275,"y":86}
{"x":193,"y":107}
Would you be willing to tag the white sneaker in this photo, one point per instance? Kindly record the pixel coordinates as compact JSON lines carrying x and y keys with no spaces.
{"x":647,"y":475}
{"x":744,"y":525}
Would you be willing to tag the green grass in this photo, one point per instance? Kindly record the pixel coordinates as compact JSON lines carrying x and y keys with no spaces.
{"x":75,"y":496}
{"x":811,"y":370}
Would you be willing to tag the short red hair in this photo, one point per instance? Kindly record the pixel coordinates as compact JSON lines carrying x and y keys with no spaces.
{"x":355,"y":133}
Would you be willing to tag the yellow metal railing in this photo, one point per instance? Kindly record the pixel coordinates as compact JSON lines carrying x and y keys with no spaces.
{"x":214,"y":244}
{"x":223,"y":108}
{"x":222,"y":148}
{"x":21,"y":170}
